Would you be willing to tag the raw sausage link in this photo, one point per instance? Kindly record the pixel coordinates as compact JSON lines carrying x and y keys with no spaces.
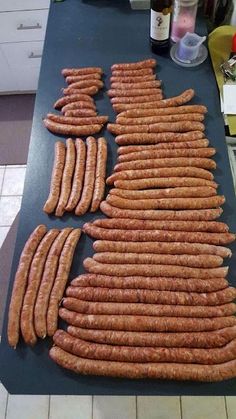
{"x":80,"y":84}
{"x":92,"y":76}
{"x":75,"y":130}
{"x":133,"y":113}
{"x":203,"y":163}
{"x":148,"y":63}
{"x":20,"y":284}
{"x":162,"y":118}
{"x":161,"y":127}
{"x":132,"y":79}
{"x":100,"y":175}
{"x":155,"y":138}
{"x":89,"y":177}
{"x":136,"y":354}
{"x":157,"y":235}
{"x":48,"y":278}
{"x":165,"y":284}
{"x":198,"y":192}
{"x":70,"y":120}
{"x":153,"y":270}
{"x":65,"y":100}
{"x":195,"y":215}
{"x":81,"y":71}
{"x":86,"y":91}
{"x":66,"y":178}
{"x":139,"y":309}
{"x":123,"y":150}
{"x":57,"y":173}
{"x":152,"y":154}
{"x":132,"y":85}
{"x":145,"y":323}
{"x":81,"y":112}
{"x":175,"y":248}
{"x":165,"y":203}
{"x":176,"y":186}
{"x":59,"y":285}
{"x":132,"y":73}
{"x":34,"y":280}
{"x":209,"y":339}
{"x":168,"y":371}
{"x":78,"y":105}
{"x":78,"y":178}
{"x":153,"y":296}
{"x":194,"y":261}
{"x":154,"y":95}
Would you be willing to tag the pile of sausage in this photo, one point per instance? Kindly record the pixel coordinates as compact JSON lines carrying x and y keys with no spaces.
{"x":155,"y":301}
{"x":78,"y":176}
{"x":39,"y":283}
{"x":79,"y":116}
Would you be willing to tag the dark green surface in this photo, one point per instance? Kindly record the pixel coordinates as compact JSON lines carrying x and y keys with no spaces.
{"x":100,"y":33}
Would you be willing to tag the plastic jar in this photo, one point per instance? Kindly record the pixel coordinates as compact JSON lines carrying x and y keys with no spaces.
{"x":184,"y":18}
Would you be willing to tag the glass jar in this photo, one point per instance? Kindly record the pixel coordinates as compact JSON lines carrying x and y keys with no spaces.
{"x":184,"y":18}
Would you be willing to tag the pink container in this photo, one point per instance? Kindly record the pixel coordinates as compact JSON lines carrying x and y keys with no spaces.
{"x":184,"y":18}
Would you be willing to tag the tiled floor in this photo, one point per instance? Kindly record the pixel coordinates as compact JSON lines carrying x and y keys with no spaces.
{"x":96,"y":407}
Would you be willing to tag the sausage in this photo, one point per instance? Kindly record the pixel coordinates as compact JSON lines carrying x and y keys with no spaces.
{"x":20,"y":284}
{"x":71,"y":120}
{"x":209,"y":339}
{"x":175,"y":145}
{"x":100,"y":175}
{"x":153,"y":270}
{"x":161,"y":284}
{"x":124,"y":223}
{"x":160,"y":127}
{"x":78,"y":175}
{"x":132,"y":79}
{"x":78,"y":105}
{"x":162,"y":118}
{"x":145,"y":323}
{"x":119,"y":85}
{"x":136,"y":354}
{"x":175,"y":185}
{"x":48,"y":278}
{"x":202,"y":162}
{"x":151,"y":154}
{"x":139,"y":309}
{"x":59,"y":285}
{"x":124,"y":73}
{"x":171,"y":248}
{"x":81,"y":84}
{"x":136,"y":97}
{"x":168,"y":371}
{"x":156,"y":173}
{"x":166,"y":203}
{"x":187,"y":109}
{"x":66,"y":129}
{"x":81,"y":112}
{"x":57,"y":173}
{"x":34,"y":279}
{"x":199,"y":191}
{"x":81,"y":71}
{"x":72,"y":98}
{"x":194,"y":261}
{"x":89,"y":177}
{"x":195,"y":215}
{"x":86,"y":91}
{"x":148,"y":63}
{"x":91,"y":76}
{"x":155,"y":138}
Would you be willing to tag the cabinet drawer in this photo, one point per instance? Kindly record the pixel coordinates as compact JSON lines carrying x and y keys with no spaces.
{"x":23,"y":26}
{"x":10,"y":5}
{"x":26,"y":54}
{"x":26,"y":78}
{"x":7,"y":81}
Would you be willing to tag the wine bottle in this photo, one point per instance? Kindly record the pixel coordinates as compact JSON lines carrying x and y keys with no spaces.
{"x":160,"y":19}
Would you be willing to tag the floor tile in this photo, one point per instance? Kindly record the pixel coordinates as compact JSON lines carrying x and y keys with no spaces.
{"x":3,"y":401}
{"x":231,"y":407}
{"x":3,"y":234}
{"x":9,"y":207}
{"x":70,"y":407}
{"x":13,"y":183}
{"x":1,"y":177}
{"x":27,"y":407}
{"x":200,"y":407}
{"x":114,"y":407}
{"x":158,"y":407}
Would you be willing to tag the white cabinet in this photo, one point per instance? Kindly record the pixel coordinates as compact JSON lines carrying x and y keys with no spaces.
{"x":22,"y":33}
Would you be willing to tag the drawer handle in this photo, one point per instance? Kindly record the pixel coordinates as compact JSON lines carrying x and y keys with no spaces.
{"x":22,"y":27}
{"x":32,"y":55}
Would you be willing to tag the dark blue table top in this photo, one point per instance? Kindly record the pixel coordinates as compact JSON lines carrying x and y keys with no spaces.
{"x":100,"y":33}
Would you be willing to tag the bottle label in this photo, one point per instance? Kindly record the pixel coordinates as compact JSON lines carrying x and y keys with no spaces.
{"x":160,"y":25}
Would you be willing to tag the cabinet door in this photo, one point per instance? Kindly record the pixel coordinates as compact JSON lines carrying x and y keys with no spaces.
{"x":7,"y":81}
{"x":9,"y":5}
